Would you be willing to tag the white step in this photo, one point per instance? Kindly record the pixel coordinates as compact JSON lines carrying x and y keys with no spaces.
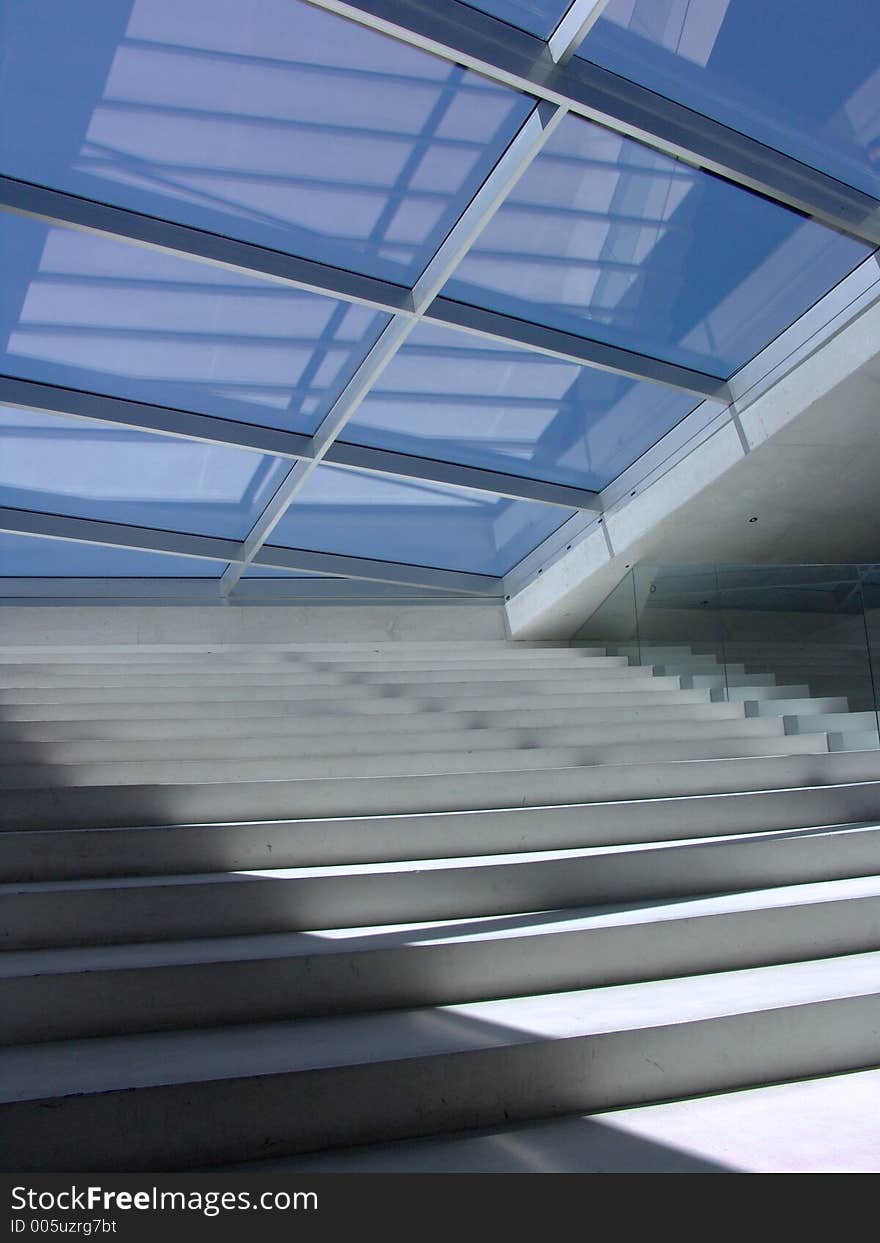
{"x":602,"y":669}
{"x":760,"y":691}
{"x":854,"y":740}
{"x":104,"y":1104}
{"x":293,"y":664}
{"x":803,"y":706}
{"x":33,"y":855}
{"x":109,"y":990}
{"x":605,"y":681}
{"x":367,"y":702}
{"x":738,"y":680}
{"x":93,"y":911}
{"x":185,"y":653}
{"x":377,"y":741}
{"x":821,"y":1125}
{"x":305,"y":765}
{"x":228,"y":801}
{"x":824,"y":722}
{"x":183,"y":725}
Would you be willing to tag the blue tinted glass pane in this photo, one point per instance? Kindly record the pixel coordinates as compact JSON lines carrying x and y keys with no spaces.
{"x":459,"y":398}
{"x":83,"y":469}
{"x":538,"y":17}
{"x":364,"y":515}
{"x":89,"y":313}
{"x":25,"y":556}
{"x":268,"y":120}
{"x":802,"y":77}
{"x":606,"y":238}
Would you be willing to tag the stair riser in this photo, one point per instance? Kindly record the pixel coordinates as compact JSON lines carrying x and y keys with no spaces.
{"x":226,"y":1120}
{"x":365,"y":702}
{"x":314,"y":691}
{"x":119,"y":806}
{"x":376,"y":742}
{"x":267,"y":904}
{"x":284,"y":674}
{"x":602,"y":721}
{"x":391,"y":763}
{"x":114,"y":1002}
{"x":50,"y":656}
{"x":81,"y":853}
{"x":795,"y":707}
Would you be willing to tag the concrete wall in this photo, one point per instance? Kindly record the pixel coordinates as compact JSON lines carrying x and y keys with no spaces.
{"x":28,"y":625}
{"x":802,"y":459}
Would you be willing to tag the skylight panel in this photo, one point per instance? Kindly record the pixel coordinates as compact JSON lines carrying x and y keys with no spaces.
{"x":83,"y":469}
{"x":802,"y":78}
{"x":360,"y":514}
{"x":26,"y":556}
{"x":606,"y":238}
{"x":461,"y":398}
{"x":84,"y":312}
{"x":275,"y":122}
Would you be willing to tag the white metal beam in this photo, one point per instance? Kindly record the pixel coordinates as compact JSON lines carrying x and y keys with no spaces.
{"x":202,"y":547}
{"x":576,"y":24}
{"x":117,"y":535}
{"x":376,"y":571}
{"x":205,"y":429}
{"x":58,"y":208}
{"x":527,"y":144}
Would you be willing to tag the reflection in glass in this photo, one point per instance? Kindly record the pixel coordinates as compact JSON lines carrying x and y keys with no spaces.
{"x":26,"y":556}
{"x":606,"y":238}
{"x":538,"y":17}
{"x":84,"y":469}
{"x":85,"y":312}
{"x":462,"y":398}
{"x":272,"y":121}
{"x":364,"y":515}
{"x":803,"y":78}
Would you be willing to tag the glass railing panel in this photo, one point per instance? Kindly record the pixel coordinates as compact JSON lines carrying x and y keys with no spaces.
{"x":806,"y":637}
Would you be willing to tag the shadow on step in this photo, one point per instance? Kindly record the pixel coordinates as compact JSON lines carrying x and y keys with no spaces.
{"x":574,"y":1145}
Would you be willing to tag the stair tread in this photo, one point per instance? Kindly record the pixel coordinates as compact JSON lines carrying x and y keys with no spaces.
{"x":417,"y":865}
{"x":470,"y":930}
{"x":106,"y":1064}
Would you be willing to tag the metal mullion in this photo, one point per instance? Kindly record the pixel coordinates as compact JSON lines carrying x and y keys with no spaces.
{"x":370,"y":570}
{"x":575,"y":25}
{"x":517,"y":158}
{"x":515,"y":59}
{"x":455,"y":474}
{"x":57,"y":207}
{"x":118,"y":535}
{"x":586,"y":351}
{"x":126,"y":414}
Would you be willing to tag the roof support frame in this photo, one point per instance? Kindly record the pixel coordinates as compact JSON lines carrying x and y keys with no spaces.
{"x":210,"y":548}
{"x":207,"y":429}
{"x":516,"y":59}
{"x":517,"y":158}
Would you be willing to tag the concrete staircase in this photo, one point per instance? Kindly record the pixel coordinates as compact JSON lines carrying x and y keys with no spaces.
{"x":261,"y":900}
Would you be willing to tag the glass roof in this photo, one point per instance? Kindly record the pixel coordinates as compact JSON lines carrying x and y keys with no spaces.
{"x":87,"y":312}
{"x":83,"y":469}
{"x":359,"y":514}
{"x":460,"y":398}
{"x":803,"y":78}
{"x":606,"y":238}
{"x":598,"y":292}
{"x":23,"y":556}
{"x":538,"y":17}
{"x":272,"y":121}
